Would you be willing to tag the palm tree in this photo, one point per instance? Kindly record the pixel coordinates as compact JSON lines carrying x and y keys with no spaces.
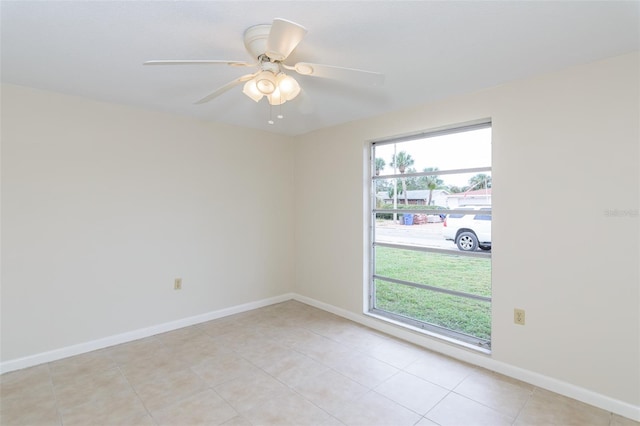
{"x":413,"y":182}
{"x":402,"y":160}
{"x":480,"y":181}
{"x":380,"y":163}
{"x":432,"y":182}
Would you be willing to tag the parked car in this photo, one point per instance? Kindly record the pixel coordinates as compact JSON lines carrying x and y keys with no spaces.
{"x":469,"y":231}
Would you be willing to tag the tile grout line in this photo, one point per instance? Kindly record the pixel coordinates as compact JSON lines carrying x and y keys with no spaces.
{"x":292,"y":388}
{"x":153,"y":419}
{"x":55,"y":394}
{"x":533,"y":389}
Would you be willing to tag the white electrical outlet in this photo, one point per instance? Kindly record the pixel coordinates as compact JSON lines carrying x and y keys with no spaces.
{"x":177,"y":284}
{"x":518,"y":316}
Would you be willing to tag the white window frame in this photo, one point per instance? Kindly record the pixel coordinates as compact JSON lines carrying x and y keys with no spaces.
{"x":432,"y":329}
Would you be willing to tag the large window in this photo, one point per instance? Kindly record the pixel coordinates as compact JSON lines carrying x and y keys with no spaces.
{"x":431,"y":231}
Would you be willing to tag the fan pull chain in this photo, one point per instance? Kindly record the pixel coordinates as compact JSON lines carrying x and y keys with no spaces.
{"x":280,"y":116}
{"x":270,"y":114}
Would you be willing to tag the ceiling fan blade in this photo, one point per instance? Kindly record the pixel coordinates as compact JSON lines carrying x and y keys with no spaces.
{"x":230,"y":85}
{"x":199,"y":62}
{"x":284,"y":36}
{"x":352,"y":75}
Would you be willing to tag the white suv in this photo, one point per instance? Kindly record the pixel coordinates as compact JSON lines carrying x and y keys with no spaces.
{"x":469,"y":231}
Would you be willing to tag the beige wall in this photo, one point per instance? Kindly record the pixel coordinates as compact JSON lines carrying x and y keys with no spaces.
{"x":570,"y":139}
{"x":104,"y":205}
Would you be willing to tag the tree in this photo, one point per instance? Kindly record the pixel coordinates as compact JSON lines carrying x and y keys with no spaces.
{"x":413,"y":182}
{"x":397,"y":189}
{"x":479,"y":181}
{"x":380,"y":163}
{"x":432,"y":182}
{"x":402,"y":160}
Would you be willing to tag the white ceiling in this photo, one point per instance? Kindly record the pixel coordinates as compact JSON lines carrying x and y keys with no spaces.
{"x":427,"y":50}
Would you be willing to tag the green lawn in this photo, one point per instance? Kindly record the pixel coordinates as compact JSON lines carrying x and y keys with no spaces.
{"x":449,"y":271}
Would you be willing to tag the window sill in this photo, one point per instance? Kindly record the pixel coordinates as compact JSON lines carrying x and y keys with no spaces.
{"x":430,"y":334}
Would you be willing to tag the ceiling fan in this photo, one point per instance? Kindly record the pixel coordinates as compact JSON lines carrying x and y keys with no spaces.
{"x":270,"y":45}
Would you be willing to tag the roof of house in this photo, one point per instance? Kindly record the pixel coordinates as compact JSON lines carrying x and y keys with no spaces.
{"x":474,"y":193}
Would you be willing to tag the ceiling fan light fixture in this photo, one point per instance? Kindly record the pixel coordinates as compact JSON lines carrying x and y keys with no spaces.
{"x":288,"y":86}
{"x":276,"y":98}
{"x":270,"y":45}
{"x":251,"y":90}
{"x":266,"y":82}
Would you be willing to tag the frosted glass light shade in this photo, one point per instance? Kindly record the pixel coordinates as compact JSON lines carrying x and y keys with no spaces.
{"x":266,"y":82}
{"x":288,"y":86}
{"x":276,"y":98}
{"x":278,"y":89}
{"x":252,"y":91}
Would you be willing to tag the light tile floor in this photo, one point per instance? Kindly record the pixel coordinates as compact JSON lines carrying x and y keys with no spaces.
{"x":286,"y":364}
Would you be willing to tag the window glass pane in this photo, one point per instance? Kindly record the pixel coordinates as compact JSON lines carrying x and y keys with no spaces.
{"x":420,"y":191}
{"x":420,"y":230}
{"x":451,"y":272}
{"x":454,"y":151}
{"x":467,"y":316}
{"x":450,"y":191}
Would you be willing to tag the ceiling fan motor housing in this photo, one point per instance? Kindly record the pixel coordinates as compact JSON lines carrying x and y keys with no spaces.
{"x":255,"y":39}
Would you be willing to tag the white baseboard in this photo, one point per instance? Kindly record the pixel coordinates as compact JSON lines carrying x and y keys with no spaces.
{"x":81,"y":348}
{"x":436,"y":344}
{"x":484,"y":360}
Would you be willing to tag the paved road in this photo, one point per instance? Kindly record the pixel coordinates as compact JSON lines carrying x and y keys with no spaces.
{"x":428,"y":234}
